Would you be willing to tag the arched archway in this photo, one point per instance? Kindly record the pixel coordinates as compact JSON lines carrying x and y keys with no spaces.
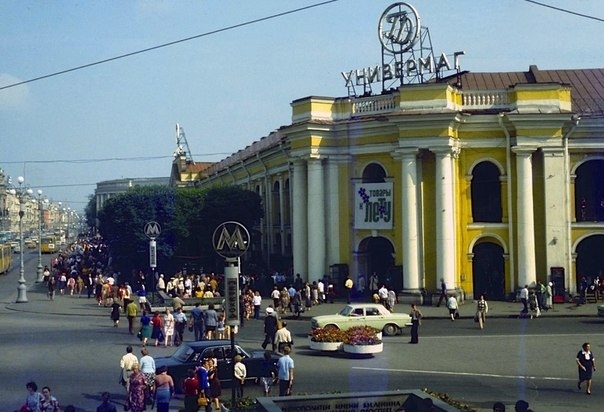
{"x":590,"y":262}
{"x":376,"y":254}
{"x":488,"y":271}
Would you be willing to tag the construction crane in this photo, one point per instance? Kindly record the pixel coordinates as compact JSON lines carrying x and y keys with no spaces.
{"x":182,"y":146}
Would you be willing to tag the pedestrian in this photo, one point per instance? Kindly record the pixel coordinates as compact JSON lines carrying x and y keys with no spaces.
{"x":348,"y":284}
{"x":180,"y":324}
{"x":276,"y":296}
{"x":33,"y":399}
{"x":482,"y":308}
{"x":524,"y":295}
{"x":164,"y":389}
{"x":131,"y":313}
{"x":587,"y":365}
{"x":285,"y":373}
{"x":168,"y":328}
{"x":157,"y":331}
{"x":267,"y":373}
{"x":136,"y":390}
{"x":270,"y":328}
{"x":49,"y":403}
{"x":106,"y":404}
{"x":202,"y":373}
{"x":127,"y":364}
{"x":416,"y":320}
{"x":147,"y":365}
{"x":240,"y":372}
{"x":52,"y":287}
{"x":146,"y":327}
{"x":392,"y":299}
{"x":220,"y":326}
{"x":215,"y":387}
{"x":257,"y":302}
{"x":296,"y":303}
{"x":383,"y":296}
{"x":190,"y":388}
{"x":534,"y":305}
{"x":283,"y":337}
{"x":522,"y":406}
{"x":197,"y":319}
{"x":453,"y":307}
{"x":549,"y":296}
{"x":443,"y":292}
{"x":211,"y":321}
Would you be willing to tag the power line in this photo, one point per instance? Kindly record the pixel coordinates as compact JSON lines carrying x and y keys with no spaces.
{"x":587,"y":16}
{"x":123,"y":56}
{"x":108,"y":159}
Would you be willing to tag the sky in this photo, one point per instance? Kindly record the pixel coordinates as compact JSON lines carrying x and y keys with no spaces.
{"x":232,"y":83}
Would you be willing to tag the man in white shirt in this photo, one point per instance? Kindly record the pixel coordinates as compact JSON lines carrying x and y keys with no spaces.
{"x":383,"y":295}
{"x":283,"y":337}
{"x":524,"y":294}
{"x":452,"y":306}
{"x":126,"y":363}
{"x":321,"y":290}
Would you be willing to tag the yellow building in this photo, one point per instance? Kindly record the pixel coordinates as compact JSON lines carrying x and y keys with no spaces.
{"x":489,"y":181}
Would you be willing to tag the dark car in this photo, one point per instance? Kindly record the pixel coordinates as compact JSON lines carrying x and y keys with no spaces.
{"x":190,"y":355}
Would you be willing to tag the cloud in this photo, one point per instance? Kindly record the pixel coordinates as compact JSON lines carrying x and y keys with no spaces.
{"x":16,"y":97}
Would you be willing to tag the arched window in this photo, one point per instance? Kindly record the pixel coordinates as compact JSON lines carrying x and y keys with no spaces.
{"x":486,"y":193}
{"x":374,"y":173}
{"x":589,"y":192}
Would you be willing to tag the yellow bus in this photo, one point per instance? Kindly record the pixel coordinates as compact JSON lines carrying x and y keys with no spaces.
{"x":48,"y":244}
{"x":6,"y":258}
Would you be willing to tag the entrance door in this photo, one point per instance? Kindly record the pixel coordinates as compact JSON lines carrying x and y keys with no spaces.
{"x":379,"y":252}
{"x":488,"y":268}
{"x":590,"y":262}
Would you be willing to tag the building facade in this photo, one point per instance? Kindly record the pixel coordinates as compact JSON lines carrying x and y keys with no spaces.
{"x":489,"y":181}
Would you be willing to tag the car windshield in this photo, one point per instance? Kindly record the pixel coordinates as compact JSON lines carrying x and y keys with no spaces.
{"x":346,"y":311}
{"x":183,"y":353}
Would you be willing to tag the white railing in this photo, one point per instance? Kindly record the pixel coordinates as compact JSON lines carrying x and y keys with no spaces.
{"x":484,"y":99}
{"x":373,"y":105}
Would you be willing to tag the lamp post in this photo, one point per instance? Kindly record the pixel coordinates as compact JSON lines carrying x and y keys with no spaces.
{"x":21,"y":193}
{"x":40,"y":272}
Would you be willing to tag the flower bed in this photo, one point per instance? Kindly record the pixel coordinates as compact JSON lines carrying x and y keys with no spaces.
{"x":329,"y":339}
{"x":363,"y":340}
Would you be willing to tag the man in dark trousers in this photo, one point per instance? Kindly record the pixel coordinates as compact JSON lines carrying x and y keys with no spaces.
{"x":270,"y":328}
{"x":443,"y":292}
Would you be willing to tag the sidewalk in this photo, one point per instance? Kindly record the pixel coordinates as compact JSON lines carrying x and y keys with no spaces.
{"x":82,"y":306}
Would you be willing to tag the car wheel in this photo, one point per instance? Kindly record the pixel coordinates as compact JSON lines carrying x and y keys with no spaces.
{"x":331,"y":327}
{"x":390,"y":330}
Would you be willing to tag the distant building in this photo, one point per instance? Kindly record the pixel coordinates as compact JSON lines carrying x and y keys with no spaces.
{"x":109,"y":188}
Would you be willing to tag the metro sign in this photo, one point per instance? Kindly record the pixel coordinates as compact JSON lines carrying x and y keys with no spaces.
{"x":231,"y":239}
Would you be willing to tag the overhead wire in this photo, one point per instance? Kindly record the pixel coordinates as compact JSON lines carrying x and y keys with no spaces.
{"x":587,"y":16}
{"x":186,"y":39}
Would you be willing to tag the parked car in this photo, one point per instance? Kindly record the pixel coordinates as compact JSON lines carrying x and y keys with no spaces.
{"x":364,"y":314}
{"x":190,"y":355}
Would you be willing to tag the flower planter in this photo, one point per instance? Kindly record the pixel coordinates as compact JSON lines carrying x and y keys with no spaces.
{"x":324,"y":346}
{"x":363,"y":349}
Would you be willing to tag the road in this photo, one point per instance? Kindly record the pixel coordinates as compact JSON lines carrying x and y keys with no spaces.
{"x":77,"y":354}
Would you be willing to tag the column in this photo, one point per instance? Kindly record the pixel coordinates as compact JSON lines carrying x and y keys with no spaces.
{"x":445,"y":224}
{"x":299,"y":215}
{"x":526,"y":221}
{"x":409,"y":224}
{"x":316,"y":221}
{"x":333,"y":212}
{"x":554,"y":184}
{"x":282,"y":214}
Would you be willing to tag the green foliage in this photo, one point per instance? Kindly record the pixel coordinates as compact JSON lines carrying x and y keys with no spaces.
{"x":90,"y":212}
{"x":188,"y":218}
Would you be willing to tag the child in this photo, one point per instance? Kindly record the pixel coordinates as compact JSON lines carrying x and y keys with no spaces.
{"x":220,"y":328}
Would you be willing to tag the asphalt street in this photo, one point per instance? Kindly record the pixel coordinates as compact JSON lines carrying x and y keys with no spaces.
{"x":70,"y":345}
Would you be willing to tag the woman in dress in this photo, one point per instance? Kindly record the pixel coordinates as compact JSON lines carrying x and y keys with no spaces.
{"x":168,"y":328}
{"x":136,"y":392}
{"x":215,"y":387}
{"x":211,"y":322}
{"x":115,"y":313}
{"x":49,"y":403}
{"x":145,"y":327}
{"x":587,"y":364}
{"x":147,"y":365}
{"x":164,"y":389}
{"x":248,"y":300}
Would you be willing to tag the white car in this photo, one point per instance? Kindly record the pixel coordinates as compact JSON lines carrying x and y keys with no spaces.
{"x":364,"y":314}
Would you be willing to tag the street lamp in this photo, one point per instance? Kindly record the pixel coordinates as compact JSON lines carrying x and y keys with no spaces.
{"x":21,"y":193}
{"x":41,"y":211}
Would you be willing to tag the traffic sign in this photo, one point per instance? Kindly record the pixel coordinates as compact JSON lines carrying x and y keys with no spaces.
{"x":152,"y":229}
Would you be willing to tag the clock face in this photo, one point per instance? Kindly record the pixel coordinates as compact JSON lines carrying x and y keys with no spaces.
{"x":399,"y":27}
